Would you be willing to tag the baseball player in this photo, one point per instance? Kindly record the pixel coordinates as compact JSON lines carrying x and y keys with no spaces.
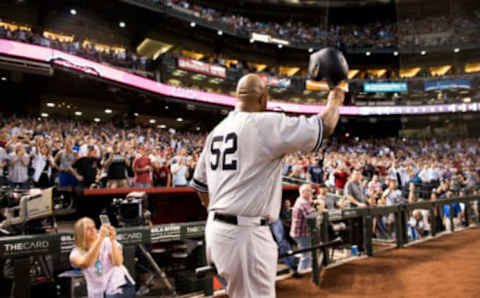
{"x":238,"y":178}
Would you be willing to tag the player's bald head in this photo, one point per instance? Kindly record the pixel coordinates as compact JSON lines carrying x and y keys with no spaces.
{"x":251,"y":93}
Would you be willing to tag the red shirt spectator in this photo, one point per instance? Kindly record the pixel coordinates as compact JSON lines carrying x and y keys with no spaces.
{"x":141,"y":168}
{"x":341,"y":178}
{"x":162,"y":176}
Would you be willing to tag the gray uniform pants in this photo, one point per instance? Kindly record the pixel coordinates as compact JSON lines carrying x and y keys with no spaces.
{"x":245,"y":257}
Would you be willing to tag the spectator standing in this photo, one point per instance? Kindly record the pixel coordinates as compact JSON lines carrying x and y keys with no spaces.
{"x":85,"y":169}
{"x":299,"y":231}
{"x":315,"y":171}
{"x":142,"y":167}
{"x":64,"y":161}
{"x":341,"y":178}
{"x":179,"y":171}
{"x":116,"y":164}
{"x":42,"y":167}
{"x":18,"y":167}
{"x":354,"y":194}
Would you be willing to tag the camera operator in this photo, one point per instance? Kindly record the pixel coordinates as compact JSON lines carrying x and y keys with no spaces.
{"x":100,"y":258}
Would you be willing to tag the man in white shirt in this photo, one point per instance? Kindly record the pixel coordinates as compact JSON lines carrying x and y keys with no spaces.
{"x":391,"y":196}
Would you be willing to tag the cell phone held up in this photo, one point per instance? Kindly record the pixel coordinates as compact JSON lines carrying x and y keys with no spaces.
{"x":104,"y":219}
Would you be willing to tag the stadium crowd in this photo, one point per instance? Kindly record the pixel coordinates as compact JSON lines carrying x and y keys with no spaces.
{"x":459,"y":27}
{"x":352,"y":173}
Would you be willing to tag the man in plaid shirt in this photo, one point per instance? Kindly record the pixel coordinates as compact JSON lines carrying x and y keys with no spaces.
{"x":298,"y":230}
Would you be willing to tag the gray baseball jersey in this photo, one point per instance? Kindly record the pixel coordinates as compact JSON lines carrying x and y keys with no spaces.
{"x":240,"y":165}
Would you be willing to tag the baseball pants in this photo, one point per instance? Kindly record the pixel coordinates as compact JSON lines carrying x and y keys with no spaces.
{"x":245,"y":257}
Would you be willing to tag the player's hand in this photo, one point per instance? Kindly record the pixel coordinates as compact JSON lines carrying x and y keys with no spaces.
{"x":336,"y":95}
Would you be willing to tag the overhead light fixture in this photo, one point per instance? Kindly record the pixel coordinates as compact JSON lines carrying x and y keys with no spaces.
{"x":122,"y":24}
{"x":192,"y":24}
{"x":310,"y":50}
{"x":73,"y":12}
{"x":166,"y":107}
{"x":456,"y":50}
{"x":179,"y":119}
{"x":367,"y":53}
{"x":163,"y":126}
{"x":4,"y":79}
{"x":280,"y":46}
{"x":220,"y":32}
{"x":108,"y":111}
{"x":69,"y":106}
{"x":467,"y":100}
{"x":96,"y":119}
{"x":198,"y":128}
{"x":252,"y":40}
{"x":135,"y":114}
{"x":78,"y":113}
{"x":50,"y":104}
{"x":395,"y":53}
{"x":423,"y":52}
{"x":44,"y":115}
{"x":152,"y":121}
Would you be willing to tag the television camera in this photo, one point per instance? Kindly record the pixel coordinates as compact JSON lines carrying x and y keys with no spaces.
{"x":132,"y":210}
{"x":29,"y":211}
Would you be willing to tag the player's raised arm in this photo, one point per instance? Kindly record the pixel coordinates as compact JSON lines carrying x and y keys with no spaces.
{"x":331,"y":114}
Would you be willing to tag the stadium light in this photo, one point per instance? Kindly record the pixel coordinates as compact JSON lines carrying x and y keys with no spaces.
{"x":44,"y":115}
{"x":50,"y":104}
{"x":423,"y":53}
{"x":122,"y":24}
{"x":78,"y":113}
{"x":467,"y":100}
{"x":280,"y":46}
{"x":198,"y":128}
{"x":367,"y":53}
{"x":96,"y":119}
{"x":163,"y":126}
{"x":135,"y":114}
{"x":395,"y":53}
{"x":220,"y":32}
{"x":193,"y":24}
{"x":252,"y":40}
{"x":456,"y":50}
{"x":73,"y":12}
{"x":179,"y":119}
{"x":4,"y":79}
{"x":166,"y":107}
{"x":310,"y":50}
{"x":108,"y":111}
{"x":152,"y":121}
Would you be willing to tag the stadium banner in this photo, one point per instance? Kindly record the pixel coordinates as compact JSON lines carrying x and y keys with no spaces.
{"x":201,"y":67}
{"x":447,"y":84}
{"x":59,"y":58}
{"x":385,"y":87}
{"x":275,"y":82}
